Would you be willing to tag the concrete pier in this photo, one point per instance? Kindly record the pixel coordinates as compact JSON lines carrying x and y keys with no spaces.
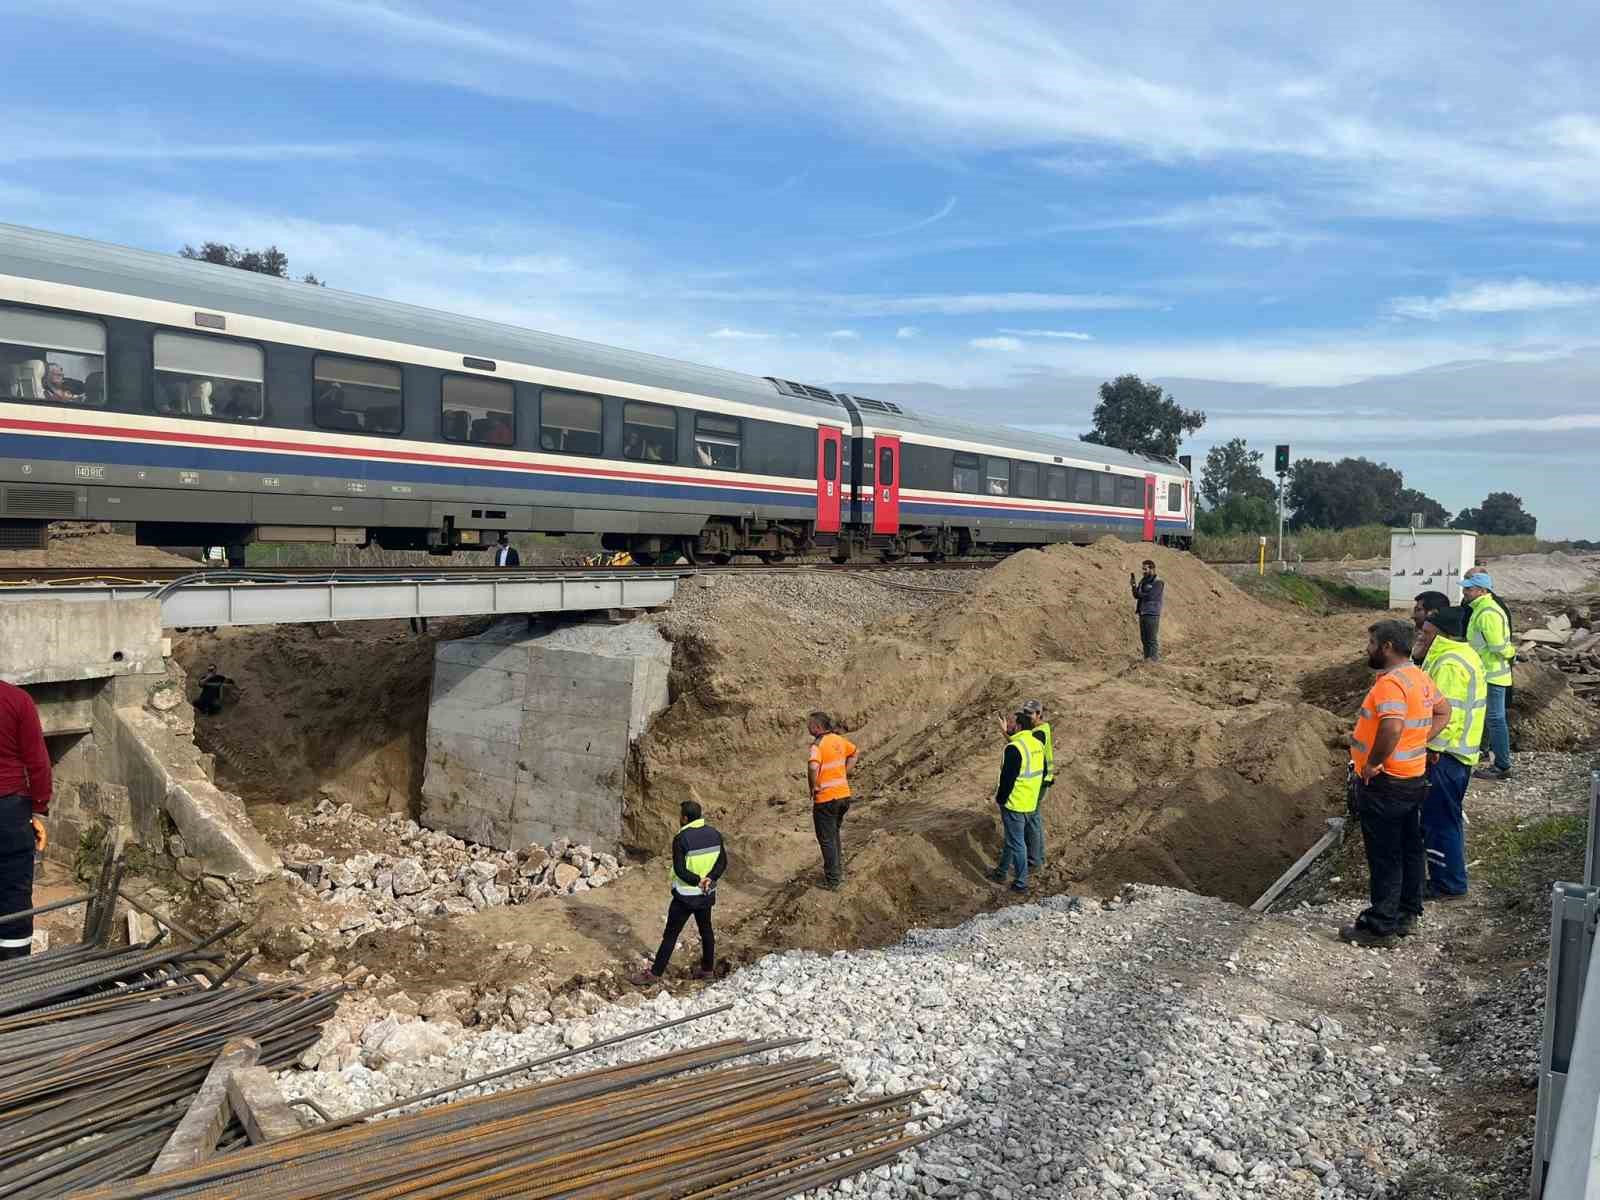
{"x":528,"y":734}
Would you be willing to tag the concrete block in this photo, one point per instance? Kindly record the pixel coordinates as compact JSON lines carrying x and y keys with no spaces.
{"x":48,"y":641}
{"x":552,"y":714}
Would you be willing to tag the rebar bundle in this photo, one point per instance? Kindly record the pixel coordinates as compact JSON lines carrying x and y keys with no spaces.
{"x":696,"y":1123}
{"x":102,"y":1048}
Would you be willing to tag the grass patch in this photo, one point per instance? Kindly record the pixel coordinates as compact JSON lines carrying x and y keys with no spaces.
{"x":1336,"y":545}
{"x":1313,"y":592}
{"x":1540,"y":850}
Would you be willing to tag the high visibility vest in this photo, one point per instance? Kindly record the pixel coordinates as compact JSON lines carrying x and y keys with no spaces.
{"x":1043,"y":730}
{"x":702,"y":847}
{"x":1024,"y":796}
{"x":830,"y":752}
{"x":1414,"y":708}
{"x":1489,"y":633}
{"x":1458,"y":673}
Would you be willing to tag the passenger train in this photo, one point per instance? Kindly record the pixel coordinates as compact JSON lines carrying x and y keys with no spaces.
{"x":211,"y":406}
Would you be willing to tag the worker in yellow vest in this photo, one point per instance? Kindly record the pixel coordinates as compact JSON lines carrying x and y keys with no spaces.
{"x":1021,"y":777}
{"x":698,"y":861}
{"x":1489,"y":633}
{"x":1033,"y":831}
{"x":1457,"y":672}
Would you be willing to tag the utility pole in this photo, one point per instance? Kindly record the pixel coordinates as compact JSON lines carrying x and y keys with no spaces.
{"x":1281,"y":462}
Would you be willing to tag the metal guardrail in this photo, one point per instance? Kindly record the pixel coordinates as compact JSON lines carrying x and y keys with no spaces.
{"x":1566,"y":1140}
{"x":286,"y":601}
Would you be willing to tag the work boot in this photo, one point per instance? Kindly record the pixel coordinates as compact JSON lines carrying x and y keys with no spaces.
{"x":1360,"y":935}
{"x":1439,"y":896}
{"x":705,"y":972}
{"x":1019,"y":886}
{"x":1407,"y":926}
{"x":995,"y":876}
{"x":1492,"y":773}
{"x":646,"y":978}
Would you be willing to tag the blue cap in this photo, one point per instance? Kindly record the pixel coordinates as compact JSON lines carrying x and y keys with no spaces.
{"x":1478,"y":579}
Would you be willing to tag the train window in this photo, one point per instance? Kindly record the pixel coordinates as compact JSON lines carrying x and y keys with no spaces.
{"x":886,"y":467}
{"x":570,"y":423}
{"x":997,"y":480}
{"x":363,"y":397}
{"x":830,"y":460}
{"x":1129,"y":492}
{"x":1027,"y":479}
{"x":1082,"y":485}
{"x":478,"y":410}
{"x":649,"y":432}
{"x":208,"y":377}
{"x":965,"y":476}
{"x":1174,"y":497}
{"x":718,"y":442}
{"x":1055,"y":483}
{"x":53,"y":358}
{"x":1105,"y":488}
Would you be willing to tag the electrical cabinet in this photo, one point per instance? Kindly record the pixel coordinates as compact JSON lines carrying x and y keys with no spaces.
{"x":1428,"y":560}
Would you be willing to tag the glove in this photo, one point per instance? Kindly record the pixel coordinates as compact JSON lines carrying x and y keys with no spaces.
{"x":41,"y":839}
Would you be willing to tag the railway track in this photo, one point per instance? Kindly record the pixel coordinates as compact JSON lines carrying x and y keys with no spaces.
{"x":198,"y":573}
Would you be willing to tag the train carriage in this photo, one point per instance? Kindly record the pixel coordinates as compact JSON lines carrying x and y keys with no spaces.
{"x":208,"y":405}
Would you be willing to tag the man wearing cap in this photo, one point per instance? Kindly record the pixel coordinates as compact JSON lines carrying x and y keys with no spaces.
{"x":1489,"y":633}
{"x":1457,"y":672}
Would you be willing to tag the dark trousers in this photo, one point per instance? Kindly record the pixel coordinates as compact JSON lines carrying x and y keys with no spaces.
{"x":677,"y":917}
{"x":828,"y":819}
{"x":1444,"y":826}
{"x":1391,"y":827}
{"x":1150,"y":635}
{"x":16,"y":875}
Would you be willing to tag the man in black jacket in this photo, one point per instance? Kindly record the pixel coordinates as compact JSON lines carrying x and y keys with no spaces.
{"x":505,"y":554}
{"x":698,"y":861}
{"x":1147,"y":596}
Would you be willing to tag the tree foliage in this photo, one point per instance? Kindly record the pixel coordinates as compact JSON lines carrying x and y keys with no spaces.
{"x":270,"y":261}
{"x":1238,"y":514}
{"x":1500,"y":512}
{"x":1141,"y":418}
{"x":1352,"y":491}
{"x":1233,"y":472}
{"x":1434,"y":514}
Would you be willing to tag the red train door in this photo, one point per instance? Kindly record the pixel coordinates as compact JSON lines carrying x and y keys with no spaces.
{"x":1149,"y":508}
{"x":830,"y":455}
{"x":886,"y":485}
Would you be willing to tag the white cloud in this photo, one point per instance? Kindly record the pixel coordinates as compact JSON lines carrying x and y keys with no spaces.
{"x":948,"y":207}
{"x":969,"y":303}
{"x":1007,"y":344}
{"x":844,"y":335}
{"x":1515,"y":295}
{"x":906,"y":332}
{"x":1067,"y":335}
{"x":738,"y":335}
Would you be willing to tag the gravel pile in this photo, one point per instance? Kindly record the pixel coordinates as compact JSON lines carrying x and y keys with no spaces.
{"x":827,"y":600}
{"x":1108,"y":1052}
{"x":428,"y":873}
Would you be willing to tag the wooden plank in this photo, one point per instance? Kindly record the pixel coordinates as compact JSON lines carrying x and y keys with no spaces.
{"x":1335,"y":834}
{"x":260,"y":1107}
{"x":195,"y":1138}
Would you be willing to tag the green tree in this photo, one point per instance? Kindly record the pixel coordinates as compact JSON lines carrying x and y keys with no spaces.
{"x":1500,"y":512}
{"x":270,"y":261}
{"x":1434,"y":514}
{"x":1238,"y":514}
{"x":1141,"y":418}
{"x":1352,"y":491}
{"x":1232,"y":471}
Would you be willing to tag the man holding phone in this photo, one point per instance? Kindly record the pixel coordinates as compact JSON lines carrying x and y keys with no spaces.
{"x":1147,"y":596}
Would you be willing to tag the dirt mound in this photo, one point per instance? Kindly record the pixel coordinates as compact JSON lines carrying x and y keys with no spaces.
{"x":344,"y":713}
{"x":95,"y":548}
{"x":1545,"y":714}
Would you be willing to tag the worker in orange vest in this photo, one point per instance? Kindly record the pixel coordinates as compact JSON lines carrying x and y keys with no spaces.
{"x":832,"y":756}
{"x":1388,"y":764}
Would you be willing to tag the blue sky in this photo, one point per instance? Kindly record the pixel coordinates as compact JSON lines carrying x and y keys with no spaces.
{"x":1366,"y":229}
